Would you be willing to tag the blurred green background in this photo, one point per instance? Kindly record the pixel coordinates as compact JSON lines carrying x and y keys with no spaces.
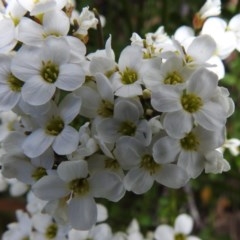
{"x":213,"y":200}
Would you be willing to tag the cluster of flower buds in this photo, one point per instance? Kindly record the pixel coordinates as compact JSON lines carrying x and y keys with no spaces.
{"x":89,"y":126}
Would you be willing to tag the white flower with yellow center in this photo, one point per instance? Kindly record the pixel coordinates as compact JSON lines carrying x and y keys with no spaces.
{"x":45,"y":69}
{"x":74,"y":184}
{"x":183,"y":226}
{"x":55,"y":130}
{"x":46,"y":228}
{"x":10,"y":86}
{"x":189,"y":151}
{"x":126,"y":121}
{"x":37,"y":7}
{"x":127,"y":81}
{"x":171,"y":73}
{"x":143,"y":169}
{"x":196,"y":52}
{"x":54,"y":23}
{"x":193,"y":105}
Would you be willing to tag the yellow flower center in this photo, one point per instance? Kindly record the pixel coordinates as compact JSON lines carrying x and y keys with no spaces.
{"x":173,"y":78}
{"x":127,"y":128}
{"x":14,"y":83}
{"x":51,"y":231}
{"x":54,"y":126}
{"x":79,"y":186}
{"x":191,"y":102}
{"x":179,"y":236}
{"x":39,"y":173}
{"x":105,"y":109}
{"x":148,"y":163}
{"x":190,"y":142}
{"x":49,"y":71}
{"x":129,"y":76}
{"x":112,"y":164}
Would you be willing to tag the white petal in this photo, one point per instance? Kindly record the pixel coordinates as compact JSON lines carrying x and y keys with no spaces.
{"x":30,"y":32}
{"x":66,"y":142}
{"x":82,"y":212}
{"x":202,"y":48}
{"x":192,"y":162}
{"x":178,"y":123}
{"x":166,"y":99}
{"x":56,"y":22}
{"x":55,"y":50}
{"x":77,"y":49}
{"x":8,"y":99}
{"x":135,"y":149}
{"x":36,"y":91}
{"x":183,"y":224}
{"x":172,"y":176}
{"x":45,"y":160}
{"x":50,"y":188}
{"x":130,"y":90}
{"x":104,"y":87}
{"x":37,"y":143}
{"x":138,"y":181}
{"x":211,"y":116}
{"x":126,"y":111}
{"x":108,"y":130}
{"x":24,"y":69}
{"x":71,"y":170}
{"x":164,"y":232}
{"x":203,"y":83}
{"x":106,"y":184}
{"x":71,"y":77}
{"x":69,"y":108}
{"x":90,"y":101}
{"x":165,"y":150}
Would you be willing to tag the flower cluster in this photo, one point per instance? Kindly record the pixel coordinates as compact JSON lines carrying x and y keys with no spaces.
{"x":35,"y":223}
{"x":92,"y":126}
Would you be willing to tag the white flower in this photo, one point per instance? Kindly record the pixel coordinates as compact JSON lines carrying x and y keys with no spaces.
{"x":225,"y":39}
{"x":85,"y":20}
{"x":55,"y":130}
{"x":54,"y":23}
{"x":97,"y":101}
{"x":78,"y":188}
{"x":197,"y":51}
{"x":232,"y":145}
{"x":7,"y":35}
{"x":127,"y":82}
{"x":172,"y":72}
{"x":144,"y":169}
{"x":10,"y":86}
{"x":190,"y":150}
{"x":215,"y":162}
{"x":126,"y":121}
{"x":41,"y":6}
{"x":182,"y":228}
{"x":194,"y":105}
{"x":46,"y":228}
{"x":49,"y":68}
{"x":21,"y":229}
{"x":210,"y":8}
